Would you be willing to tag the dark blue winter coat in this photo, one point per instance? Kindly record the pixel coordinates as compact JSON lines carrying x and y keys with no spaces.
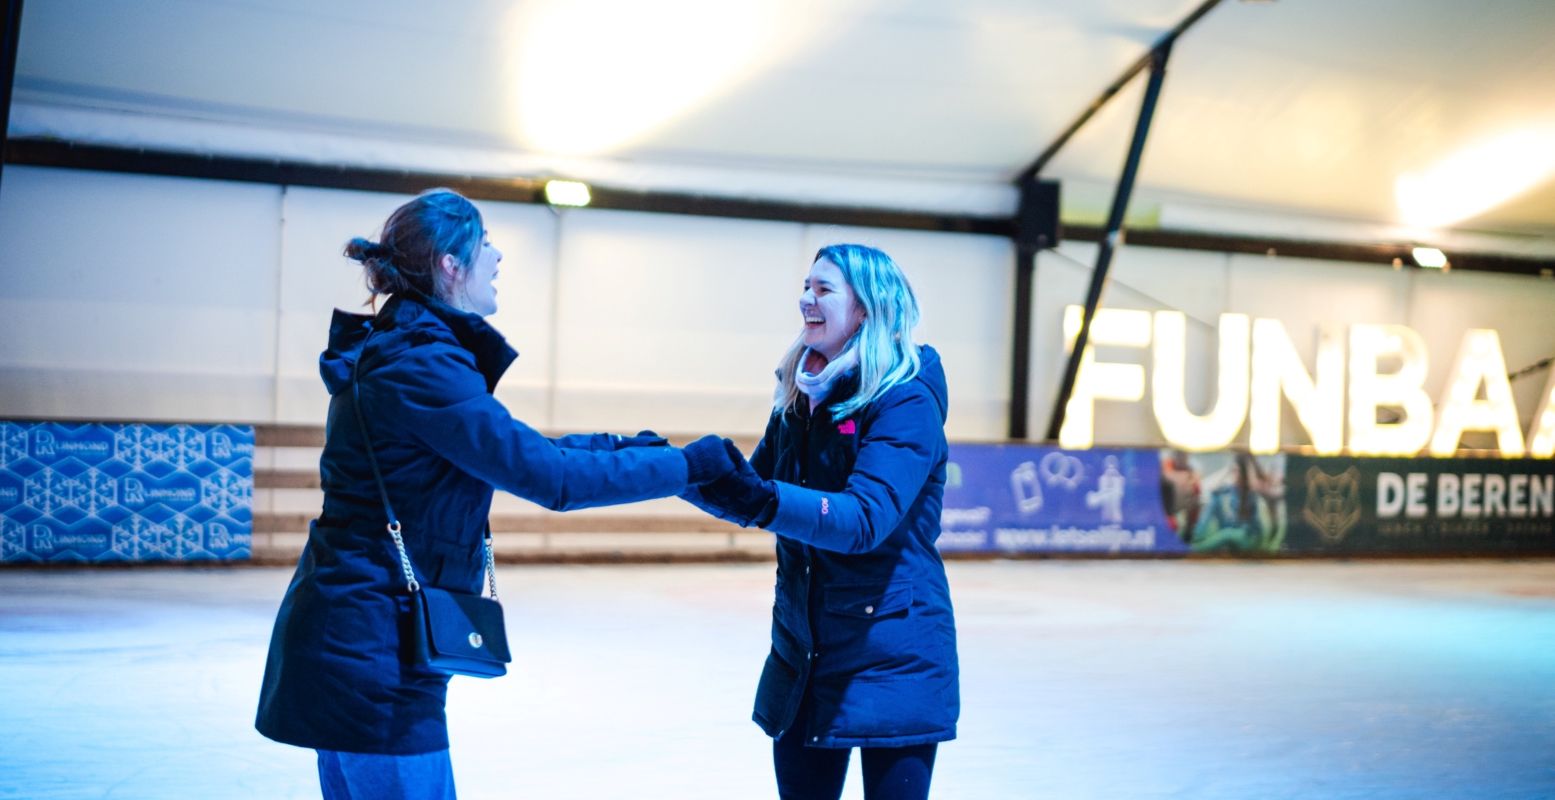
{"x":335,"y":679}
{"x":862,"y":622}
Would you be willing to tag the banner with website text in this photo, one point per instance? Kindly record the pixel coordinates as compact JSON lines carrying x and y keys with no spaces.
{"x":117,"y":492}
{"x":1022,"y":498}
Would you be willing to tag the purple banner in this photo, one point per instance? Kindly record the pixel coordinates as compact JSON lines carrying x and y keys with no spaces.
{"x":1029,"y":498}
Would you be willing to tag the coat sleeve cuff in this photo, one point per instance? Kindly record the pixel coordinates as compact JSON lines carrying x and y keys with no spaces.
{"x":799,"y":513}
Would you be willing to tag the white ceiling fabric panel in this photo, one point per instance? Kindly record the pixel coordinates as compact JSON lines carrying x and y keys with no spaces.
{"x":1273,"y":116}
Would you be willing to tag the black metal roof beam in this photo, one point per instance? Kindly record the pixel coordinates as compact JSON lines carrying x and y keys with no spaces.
{"x":1111,"y":238}
{"x":1144,"y":62}
{"x":1038,"y":208}
{"x":54,"y":153}
{"x":9,"y":38}
{"x":1025,"y":262}
{"x":1381,"y":254}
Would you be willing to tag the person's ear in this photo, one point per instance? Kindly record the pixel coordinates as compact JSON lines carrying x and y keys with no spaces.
{"x":449,"y":267}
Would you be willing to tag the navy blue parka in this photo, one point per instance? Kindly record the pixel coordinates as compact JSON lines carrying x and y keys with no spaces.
{"x":862,"y":624}
{"x":334,"y":678}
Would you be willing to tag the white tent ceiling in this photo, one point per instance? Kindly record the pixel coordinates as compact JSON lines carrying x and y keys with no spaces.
{"x":1292,"y":116}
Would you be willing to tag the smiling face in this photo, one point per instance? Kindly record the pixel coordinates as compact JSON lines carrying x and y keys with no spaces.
{"x":831,"y":313}
{"x":475,"y":288}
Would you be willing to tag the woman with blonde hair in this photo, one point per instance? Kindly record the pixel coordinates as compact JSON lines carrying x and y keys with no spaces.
{"x":850,"y":475}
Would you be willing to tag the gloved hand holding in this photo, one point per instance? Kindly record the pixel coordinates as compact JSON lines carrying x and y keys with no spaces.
{"x":643,"y":438}
{"x":707,"y":460}
{"x":740,"y":496}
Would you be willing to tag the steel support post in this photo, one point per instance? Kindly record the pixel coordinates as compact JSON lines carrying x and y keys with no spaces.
{"x":1112,"y":236}
{"x":8,"y":40}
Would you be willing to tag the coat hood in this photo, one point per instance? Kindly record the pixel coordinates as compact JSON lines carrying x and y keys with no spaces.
{"x":347,"y":332}
{"x":931,"y":374}
{"x":407,"y":319}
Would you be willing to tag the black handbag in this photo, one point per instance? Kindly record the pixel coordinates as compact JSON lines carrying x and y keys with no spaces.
{"x":455,"y":633}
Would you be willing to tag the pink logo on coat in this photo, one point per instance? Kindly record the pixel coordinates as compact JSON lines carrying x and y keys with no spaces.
{"x":825,"y":507}
{"x":847,"y":428}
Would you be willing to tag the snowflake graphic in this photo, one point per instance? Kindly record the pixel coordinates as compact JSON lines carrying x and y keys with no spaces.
{"x":183,"y":537}
{"x":135,"y":539}
{"x":47,"y":492}
{"x":93,"y":491}
{"x":185,"y":446}
{"x":224,"y":490}
{"x":139,"y":445}
{"x":13,"y":443}
{"x":13,"y":540}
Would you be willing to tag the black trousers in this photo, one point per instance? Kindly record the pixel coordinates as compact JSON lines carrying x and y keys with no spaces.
{"x":817,"y":773}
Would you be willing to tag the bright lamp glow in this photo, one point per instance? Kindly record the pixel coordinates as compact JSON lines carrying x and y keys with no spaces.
{"x":1278,"y":373}
{"x":1402,"y":389}
{"x":1101,"y":380}
{"x":1479,"y":362}
{"x":1181,"y":427}
{"x":590,"y":77}
{"x":567,"y":193}
{"x":1477,"y":178}
{"x":1430,"y":257}
{"x":1541,"y":439}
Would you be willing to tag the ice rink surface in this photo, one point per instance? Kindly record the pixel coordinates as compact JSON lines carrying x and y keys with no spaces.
{"x":1080,"y":679}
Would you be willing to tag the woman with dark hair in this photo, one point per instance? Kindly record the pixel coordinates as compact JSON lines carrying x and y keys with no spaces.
{"x":850,"y":475}
{"x":422,"y":370}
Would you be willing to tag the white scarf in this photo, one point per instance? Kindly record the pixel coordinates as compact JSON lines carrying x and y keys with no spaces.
{"x":817,"y":386}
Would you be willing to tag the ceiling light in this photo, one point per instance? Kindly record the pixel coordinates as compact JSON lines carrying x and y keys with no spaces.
{"x":1430,"y":257}
{"x":593,"y":77}
{"x":1476,"y":178}
{"x":567,"y":193}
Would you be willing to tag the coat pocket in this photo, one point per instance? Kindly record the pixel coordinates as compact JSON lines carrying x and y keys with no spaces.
{"x":869,"y":601}
{"x":777,"y":694}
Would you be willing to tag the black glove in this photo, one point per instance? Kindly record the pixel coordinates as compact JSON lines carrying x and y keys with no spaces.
{"x":706,"y":460}
{"x":693,"y":495}
{"x":642,"y":439}
{"x":740,"y":496}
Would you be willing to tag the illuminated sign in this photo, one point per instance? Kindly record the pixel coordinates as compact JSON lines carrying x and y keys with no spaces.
{"x":1258,"y":368}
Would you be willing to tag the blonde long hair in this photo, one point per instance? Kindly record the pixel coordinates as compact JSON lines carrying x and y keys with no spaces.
{"x":887,"y":355}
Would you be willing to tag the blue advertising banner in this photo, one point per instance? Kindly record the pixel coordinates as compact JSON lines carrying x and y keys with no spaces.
{"x":113,"y":492}
{"x":1027,"y":498}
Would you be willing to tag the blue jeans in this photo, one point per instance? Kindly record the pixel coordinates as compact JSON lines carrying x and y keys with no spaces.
{"x":817,"y":773}
{"x":369,"y":776}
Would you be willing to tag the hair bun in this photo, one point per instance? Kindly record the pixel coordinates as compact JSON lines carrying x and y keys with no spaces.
{"x":363,"y":250}
{"x":413,"y":241}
